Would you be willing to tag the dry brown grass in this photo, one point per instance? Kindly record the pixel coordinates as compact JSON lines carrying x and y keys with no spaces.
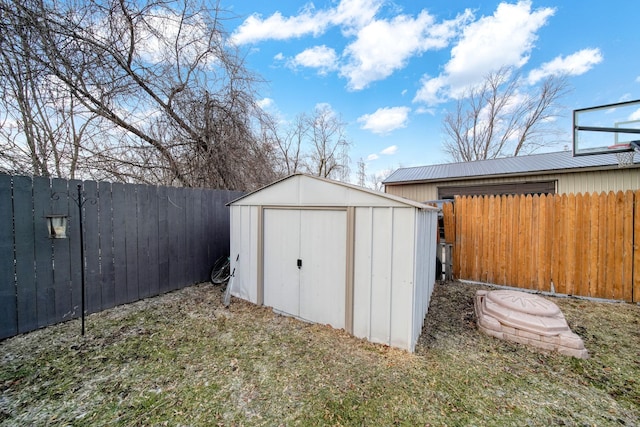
{"x":183,"y":359}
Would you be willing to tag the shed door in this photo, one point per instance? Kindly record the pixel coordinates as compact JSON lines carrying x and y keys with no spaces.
{"x":315,"y":289}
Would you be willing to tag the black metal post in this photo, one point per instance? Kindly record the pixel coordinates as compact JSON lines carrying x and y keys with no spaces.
{"x":80,"y":203}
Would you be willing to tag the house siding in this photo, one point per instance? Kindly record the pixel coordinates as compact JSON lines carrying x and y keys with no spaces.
{"x":600,"y":181}
{"x":576,"y":182}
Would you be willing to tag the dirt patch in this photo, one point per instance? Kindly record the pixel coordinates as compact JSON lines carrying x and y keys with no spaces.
{"x":450,"y":316}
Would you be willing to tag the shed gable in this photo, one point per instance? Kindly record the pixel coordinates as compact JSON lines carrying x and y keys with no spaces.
{"x":306,"y":190}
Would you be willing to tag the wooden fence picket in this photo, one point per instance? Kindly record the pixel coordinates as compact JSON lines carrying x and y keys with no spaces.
{"x":628,"y":250}
{"x":575,"y":244}
{"x":636,"y":249}
{"x":505,"y":242}
{"x":449,"y":222}
{"x":491,"y":237}
{"x":543,"y":276}
{"x":581,"y":234}
{"x":617,"y":240}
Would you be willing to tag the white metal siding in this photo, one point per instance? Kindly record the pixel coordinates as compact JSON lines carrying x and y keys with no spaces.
{"x":362,"y":264}
{"x":424,"y":269}
{"x":323,"y":252}
{"x":402,"y":279}
{"x":302,"y":190}
{"x":316,"y":290}
{"x":244,"y":246}
{"x":281,"y":250}
{"x":384,"y":275}
{"x":380,"y":247}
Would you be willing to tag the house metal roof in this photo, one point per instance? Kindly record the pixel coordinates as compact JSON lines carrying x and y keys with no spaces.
{"x":534,"y":164}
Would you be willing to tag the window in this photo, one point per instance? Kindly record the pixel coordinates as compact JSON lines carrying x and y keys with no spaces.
{"x":540,"y":187}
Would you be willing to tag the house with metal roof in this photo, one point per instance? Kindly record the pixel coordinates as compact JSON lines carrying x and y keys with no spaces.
{"x":547,"y":173}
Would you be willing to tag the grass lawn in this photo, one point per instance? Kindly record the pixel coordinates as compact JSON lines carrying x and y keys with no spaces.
{"x":184,"y":359}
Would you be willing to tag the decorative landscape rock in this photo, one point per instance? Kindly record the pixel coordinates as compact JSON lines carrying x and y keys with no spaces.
{"x":526,"y":319}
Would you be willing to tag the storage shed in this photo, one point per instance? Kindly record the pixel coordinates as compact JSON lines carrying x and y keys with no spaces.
{"x":338,"y":254}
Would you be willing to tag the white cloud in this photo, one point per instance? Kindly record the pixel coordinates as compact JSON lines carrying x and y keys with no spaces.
{"x":505,"y":38}
{"x":635,"y":115}
{"x":351,"y":14}
{"x":325,"y":106}
{"x":385,"y":120}
{"x":381,"y":46}
{"x":279,"y":56}
{"x":432,"y":90}
{"x":265,"y":103}
{"x":424,"y":110}
{"x":390,"y":150}
{"x":160,"y":45}
{"x":573,"y":65}
{"x":354,"y":14}
{"x":321,"y":57}
{"x":270,"y":106}
{"x":277,"y":27}
{"x":384,"y":46}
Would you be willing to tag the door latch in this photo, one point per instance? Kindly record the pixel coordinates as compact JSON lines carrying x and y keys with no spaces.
{"x":299,"y":263}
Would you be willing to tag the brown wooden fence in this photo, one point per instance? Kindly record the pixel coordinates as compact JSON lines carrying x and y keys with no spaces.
{"x":583,"y":244}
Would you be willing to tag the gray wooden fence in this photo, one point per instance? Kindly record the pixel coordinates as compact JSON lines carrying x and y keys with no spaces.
{"x":140,"y":241}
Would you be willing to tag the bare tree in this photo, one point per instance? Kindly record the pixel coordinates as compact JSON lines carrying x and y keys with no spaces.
{"x":362,"y":173}
{"x":502,"y":117}
{"x":287,"y":143}
{"x":43,"y":125}
{"x":375,"y":179}
{"x":328,"y":156}
{"x":159,"y":76}
{"x":313,"y":143}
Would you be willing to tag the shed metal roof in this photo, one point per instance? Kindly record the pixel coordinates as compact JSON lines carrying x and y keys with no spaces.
{"x":562,"y":161}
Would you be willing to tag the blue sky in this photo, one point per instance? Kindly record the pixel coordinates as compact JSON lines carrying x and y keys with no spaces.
{"x":392,"y":69}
